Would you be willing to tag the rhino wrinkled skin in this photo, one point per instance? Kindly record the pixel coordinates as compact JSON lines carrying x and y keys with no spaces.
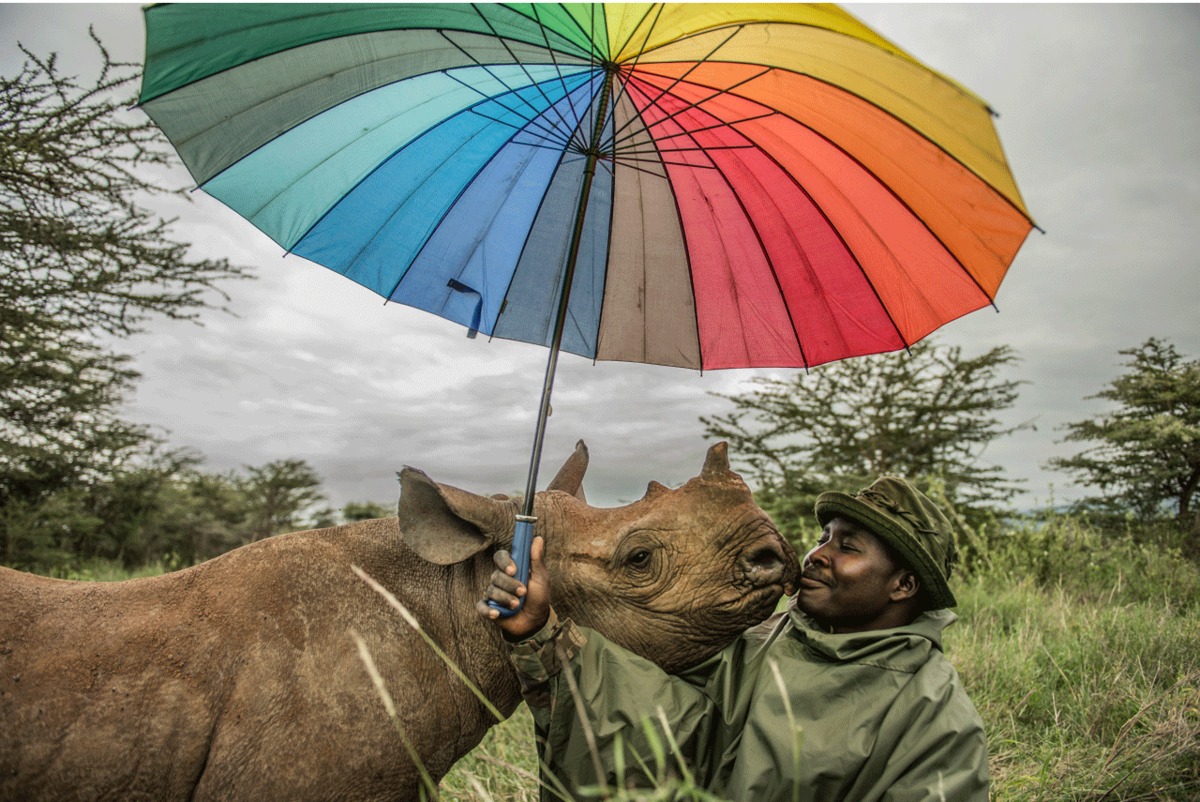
{"x":236,"y":679}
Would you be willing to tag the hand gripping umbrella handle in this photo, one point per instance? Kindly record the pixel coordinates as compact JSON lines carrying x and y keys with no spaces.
{"x":522,"y":540}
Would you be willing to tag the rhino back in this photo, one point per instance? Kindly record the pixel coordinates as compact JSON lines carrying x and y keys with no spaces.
{"x":237,"y":678}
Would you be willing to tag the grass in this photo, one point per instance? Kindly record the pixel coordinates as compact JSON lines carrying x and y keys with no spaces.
{"x":503,"y":767}
{"x":100,"y":570}
{"x":1082,"y":699}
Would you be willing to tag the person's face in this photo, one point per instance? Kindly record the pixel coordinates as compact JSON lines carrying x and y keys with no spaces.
{"x":850,"y":582}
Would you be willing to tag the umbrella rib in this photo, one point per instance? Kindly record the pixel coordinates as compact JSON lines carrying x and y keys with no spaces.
{"x":560,"y":141}
{"x":530,"y":120}
{"x":846,"y":245}
{"x":596,"y":56}
{"x":649,"y":31}
{"x":682,"y":149}
{"x":429,"y":236}
{"x":518,"y":62}
{"x":611,"y":170}
{"x":679,"y":220}
{"x":1015,"y":206}
{"x":557,"y":68}
{"x":618,"y":148}
{"x":917,"y":217}
{"x":632,"y":164}
{"x":696,"y":104}
{"x":590,"y":53}
{"x":621,"y":84}
{"x":485,"y":66}
{"x":592,"y":33}
{"x":544,"y":146}
{"x":629,"y":163}
{"x":621,"y":91}
{"x":529,"y":234}
{"x":551,"y":134}
{"x":689,"y":71}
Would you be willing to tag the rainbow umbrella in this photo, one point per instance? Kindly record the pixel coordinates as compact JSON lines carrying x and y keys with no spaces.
{"x":703,"y":186}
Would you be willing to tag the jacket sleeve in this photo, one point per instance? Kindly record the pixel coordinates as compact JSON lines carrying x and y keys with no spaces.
{"x":604,"y":714}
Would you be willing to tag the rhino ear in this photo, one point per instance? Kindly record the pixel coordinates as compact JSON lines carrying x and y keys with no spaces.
{"x":716,"y":464}
{"x":445,"y":525}
{"x":569,"y":478}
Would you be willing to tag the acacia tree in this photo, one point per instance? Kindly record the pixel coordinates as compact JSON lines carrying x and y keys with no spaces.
{"x":81,"y":263}
{"x":278,"y":494}
{"x":926,"y":415}
{"x":1147,"y":457}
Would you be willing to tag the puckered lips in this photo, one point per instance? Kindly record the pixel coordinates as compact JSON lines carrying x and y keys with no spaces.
{"x":810,"y":580}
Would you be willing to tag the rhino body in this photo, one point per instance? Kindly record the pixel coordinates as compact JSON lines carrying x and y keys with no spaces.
{"x":237,"y":679}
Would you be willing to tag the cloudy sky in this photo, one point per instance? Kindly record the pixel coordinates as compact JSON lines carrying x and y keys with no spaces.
{"x":1100,"y":118}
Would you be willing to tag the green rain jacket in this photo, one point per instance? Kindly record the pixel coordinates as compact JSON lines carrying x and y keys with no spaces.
{"x":866,"y":716}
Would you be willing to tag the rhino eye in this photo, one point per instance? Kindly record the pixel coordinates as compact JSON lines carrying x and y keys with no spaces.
{"x":640,"y":558}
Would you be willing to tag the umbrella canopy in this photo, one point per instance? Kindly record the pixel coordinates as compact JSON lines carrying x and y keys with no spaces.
{"x":704,"y":186}
{"x":777,"y":185}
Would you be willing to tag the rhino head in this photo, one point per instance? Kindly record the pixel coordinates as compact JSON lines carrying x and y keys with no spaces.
{"x":673,"y":577}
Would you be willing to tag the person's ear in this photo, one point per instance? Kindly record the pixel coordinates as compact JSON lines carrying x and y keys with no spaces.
{"x":907,"y":585}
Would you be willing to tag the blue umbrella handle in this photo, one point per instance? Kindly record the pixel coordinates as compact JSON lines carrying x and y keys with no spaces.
{"x":522,"y":540}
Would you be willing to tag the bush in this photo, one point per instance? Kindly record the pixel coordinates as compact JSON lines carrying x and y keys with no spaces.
{"x":1132,"y":564}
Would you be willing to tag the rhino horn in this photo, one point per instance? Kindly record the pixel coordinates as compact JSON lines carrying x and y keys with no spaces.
{"x":716,"y":464}
{"x":569,"y":478}
{"x":654,"y":489}
{"x":445,"y":525}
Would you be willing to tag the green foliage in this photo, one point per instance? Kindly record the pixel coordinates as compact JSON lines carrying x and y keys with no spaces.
{"x":1148,"y":453}
{"x":366,"y":511}
{"x":164,"y":510}
{"x":1137,"y":564}
{"x":277,"y":493}
{"x":927,"y":416}
{"x":77,"y":249}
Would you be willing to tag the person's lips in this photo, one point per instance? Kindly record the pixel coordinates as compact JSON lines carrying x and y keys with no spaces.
{"x":812,"y":581}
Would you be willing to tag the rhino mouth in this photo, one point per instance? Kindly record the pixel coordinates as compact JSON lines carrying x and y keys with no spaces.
{"x":769,"y":564}
{"x":750,"y":608}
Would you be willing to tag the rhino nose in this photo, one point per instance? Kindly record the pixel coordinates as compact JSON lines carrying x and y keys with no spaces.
{"x":762,"y":565}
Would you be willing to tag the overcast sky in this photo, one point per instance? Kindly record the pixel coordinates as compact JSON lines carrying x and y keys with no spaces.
{"x":1099,"y":116}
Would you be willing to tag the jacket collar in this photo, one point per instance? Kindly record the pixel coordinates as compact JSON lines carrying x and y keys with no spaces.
{"x":902,"y":648}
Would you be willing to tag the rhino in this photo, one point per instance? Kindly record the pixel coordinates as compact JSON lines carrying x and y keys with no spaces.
{"x":238,"y":679}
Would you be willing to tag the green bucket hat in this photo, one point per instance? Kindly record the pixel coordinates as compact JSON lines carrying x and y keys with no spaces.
{"x":909,"y":522}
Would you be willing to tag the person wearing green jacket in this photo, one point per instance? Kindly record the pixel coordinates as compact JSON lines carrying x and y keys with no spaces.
{"x":846,"y":696}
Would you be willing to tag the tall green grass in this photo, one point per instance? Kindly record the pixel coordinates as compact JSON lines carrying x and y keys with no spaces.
{"x":1081,"y":650}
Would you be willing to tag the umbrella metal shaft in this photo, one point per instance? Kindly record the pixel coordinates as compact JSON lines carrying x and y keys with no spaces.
{"x":523,"y":529}
{"x":589,"y":172}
